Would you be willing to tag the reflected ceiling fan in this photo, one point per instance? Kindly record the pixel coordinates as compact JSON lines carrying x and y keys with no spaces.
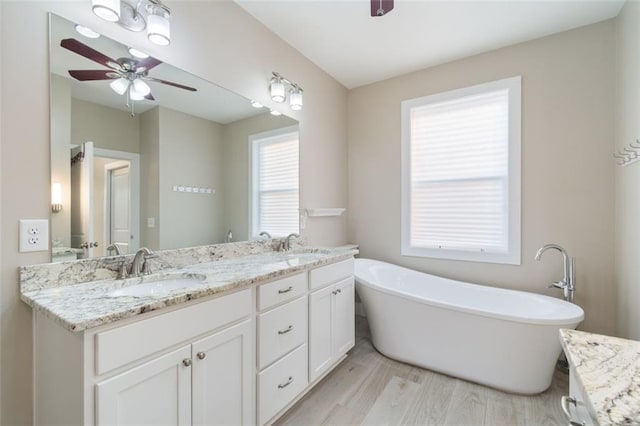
{"x":129,"y":75}
{"x":381,"y":7}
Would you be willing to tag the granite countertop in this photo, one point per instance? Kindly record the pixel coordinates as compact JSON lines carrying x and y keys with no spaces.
{"x":81,"y":306}
{"x":609,"y":370}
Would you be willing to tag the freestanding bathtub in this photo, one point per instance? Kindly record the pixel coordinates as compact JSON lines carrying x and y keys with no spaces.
{"x":501,"y":338}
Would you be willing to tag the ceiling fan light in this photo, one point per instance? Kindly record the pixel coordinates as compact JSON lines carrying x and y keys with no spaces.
{"x":87,"y":32}
{"x":256,"y":104}
{"x":140,"y":87}
{"x":109,"y":10}
{"x":137,"y":53}
{"x":134,"y":95}
{"x":295,"y":99}
{"x":276,"y":89}
{"x":158,"y":29}
{"x":120,"y":85}
{"x":275,"y":112}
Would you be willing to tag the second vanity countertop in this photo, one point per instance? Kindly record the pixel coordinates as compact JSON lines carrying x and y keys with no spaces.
{"x":81,"y":306}
{"x":608,"y":368}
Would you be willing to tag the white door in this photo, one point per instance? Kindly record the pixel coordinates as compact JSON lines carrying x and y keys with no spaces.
{"x":343,"y":317}
{"x":155,"y":393}
{"x":320,"y":333}
{"x":222,"y":377}
{"x":82,"y":199}
{"x":119,"y":196}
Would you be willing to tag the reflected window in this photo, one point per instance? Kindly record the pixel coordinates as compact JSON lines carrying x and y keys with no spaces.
{"x":274,"y":182}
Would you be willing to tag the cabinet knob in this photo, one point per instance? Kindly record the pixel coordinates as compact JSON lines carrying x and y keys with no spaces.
{"x":186,"y":362}
{"x":201,"y":355}
{"x":336,"y":291}
{"x":287,"y":383}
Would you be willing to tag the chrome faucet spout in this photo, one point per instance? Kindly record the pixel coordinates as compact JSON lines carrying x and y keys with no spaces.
{"x":139,"y":263}
{"x":568,"y":265}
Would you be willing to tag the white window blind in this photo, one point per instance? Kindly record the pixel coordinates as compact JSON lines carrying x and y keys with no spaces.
{"x":457,"y":181}
{"x":275,"y":184}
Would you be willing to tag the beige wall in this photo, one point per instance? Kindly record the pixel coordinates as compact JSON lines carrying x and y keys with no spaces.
{"x":236,"y":167}
{"x":191,"y":154}
{"x":216,"y":40}
{"x":150,"y":178}
{"x":627,"y":188}
{"x":108,"y":128}
{"x":567,"y":172}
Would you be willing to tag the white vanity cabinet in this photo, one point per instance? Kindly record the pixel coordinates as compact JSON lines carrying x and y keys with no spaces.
{"x":192,"y":365}
{"x":331,"y":315}
{"x":573,"y":405}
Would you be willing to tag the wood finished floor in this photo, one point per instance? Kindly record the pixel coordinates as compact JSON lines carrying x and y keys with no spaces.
{"x":370,"y":389}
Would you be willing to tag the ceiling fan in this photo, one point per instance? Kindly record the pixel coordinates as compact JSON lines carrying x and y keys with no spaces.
{"x":128,"y":74}
{"x":381,"y":7}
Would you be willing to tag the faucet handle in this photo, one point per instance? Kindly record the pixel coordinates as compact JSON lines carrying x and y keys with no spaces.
{"x":558,"y":284}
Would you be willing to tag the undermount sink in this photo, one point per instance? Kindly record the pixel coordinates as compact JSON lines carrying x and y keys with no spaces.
{"x":156,"y":287}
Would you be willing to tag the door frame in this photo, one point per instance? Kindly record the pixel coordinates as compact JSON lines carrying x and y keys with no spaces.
{"x":134,"y":201}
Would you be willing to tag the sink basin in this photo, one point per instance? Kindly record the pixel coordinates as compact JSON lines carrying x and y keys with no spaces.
{"x":158,"y":287}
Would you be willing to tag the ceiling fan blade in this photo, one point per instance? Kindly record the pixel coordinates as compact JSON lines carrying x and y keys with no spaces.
{"x":87,"y":75}
{"x":90,"y":53}
{"x":381,"y":7}
{"x":150,"y":97}
{"x":180,"y":86}
{"x":147,"y":63}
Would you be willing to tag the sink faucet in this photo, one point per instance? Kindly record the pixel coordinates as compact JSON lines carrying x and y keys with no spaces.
{"x":265,"y":234}
{"x":139,"y":263}
{"x":115,"y":248}
{"x":285,"y":245}
{"x":568,"y":280}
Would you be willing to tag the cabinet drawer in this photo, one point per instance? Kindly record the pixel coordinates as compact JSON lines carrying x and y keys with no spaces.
{"x":280,"y":330}
{"x":122,"y":345}
{"x":279,"y":291}
{"x":328,"y":274}
{"x":279,"y":384}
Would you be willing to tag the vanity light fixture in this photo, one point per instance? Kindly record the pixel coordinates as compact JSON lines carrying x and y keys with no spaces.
{"x":87,"y":32}
{"x":275,"y":112}
{"x":56,"y":197}
{"x":151,"y":15}
{"x":277,"y":90}
{"x":256,"y":104}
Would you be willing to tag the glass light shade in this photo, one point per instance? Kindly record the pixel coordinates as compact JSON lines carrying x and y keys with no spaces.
{"x":134,"y":95}
{"x":137,"y":53}
{"x":295,"y":99}
{"x":276,"y":89}
{"x":56,"y":193}
{"x":158,"y":30}
{"x":109,"y":10}
{"x":256,"y":104}
{"x":275,"y":112}
{"x":120,"y":85}
{"x":87,"y":32}
{"x":141,"y":88}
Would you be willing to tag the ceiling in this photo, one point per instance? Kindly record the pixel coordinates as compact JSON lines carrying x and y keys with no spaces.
{"x":343,"y":39}
{"x":210,"y":101}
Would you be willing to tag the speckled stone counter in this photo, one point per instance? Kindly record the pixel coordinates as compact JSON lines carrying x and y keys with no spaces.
{"x":609,"y":370}
{"x":79,"y":306}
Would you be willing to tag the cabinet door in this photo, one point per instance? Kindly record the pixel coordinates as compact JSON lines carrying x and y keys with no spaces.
{"x":320,"y":333}
{"x":222,"y":377}
{"x":155,"y":393}
{"x":343,"y":317}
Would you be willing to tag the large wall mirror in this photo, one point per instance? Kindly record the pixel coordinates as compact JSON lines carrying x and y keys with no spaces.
{"x":187,"y":163}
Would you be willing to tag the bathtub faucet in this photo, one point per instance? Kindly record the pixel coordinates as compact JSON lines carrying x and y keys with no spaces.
{"x":568,"y":281}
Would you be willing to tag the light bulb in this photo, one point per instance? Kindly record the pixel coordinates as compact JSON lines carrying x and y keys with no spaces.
{"x":275,"y":112}
{"x":141,"y":87}
{"x":276,"y":89}
{"x":109,"y":10}
{"x":87,"y":32}
{"x":134,"y":95}
{"x":56,"y":197}
{"x":295,"y":99}
{"x":158,"y":30}
{"x":120,"y":85}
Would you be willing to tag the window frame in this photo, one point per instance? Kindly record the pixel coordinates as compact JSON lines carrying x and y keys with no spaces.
{"x":253,"y":176}
{"x":513,"y":254}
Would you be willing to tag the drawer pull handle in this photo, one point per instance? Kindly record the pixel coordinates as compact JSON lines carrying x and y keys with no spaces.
{"x":285,"y":290}
{"x":201,"y":355}
{"x":564,"y":403}
{"x":186,"y":362}
{"x":286,"y":330}
{"x":284,"y":385}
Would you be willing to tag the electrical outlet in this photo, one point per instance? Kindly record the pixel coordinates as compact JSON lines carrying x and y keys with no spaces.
{"x":34,"y":235}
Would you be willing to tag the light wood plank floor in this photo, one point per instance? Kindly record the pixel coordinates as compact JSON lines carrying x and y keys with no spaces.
{"x":370,"y":389}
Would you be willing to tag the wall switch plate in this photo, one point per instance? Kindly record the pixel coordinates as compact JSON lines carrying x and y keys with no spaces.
{"x":34,"y":235}
{"x":151,"y":222}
